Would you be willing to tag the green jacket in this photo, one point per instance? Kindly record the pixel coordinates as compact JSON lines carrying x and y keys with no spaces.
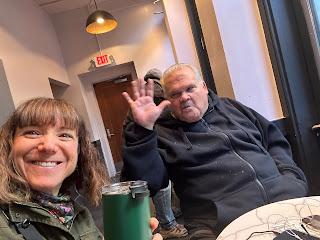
{"x":83,"y":226}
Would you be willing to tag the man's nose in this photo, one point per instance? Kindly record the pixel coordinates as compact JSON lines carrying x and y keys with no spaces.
{"x":184,"y":96}
{"x":48,"y":144}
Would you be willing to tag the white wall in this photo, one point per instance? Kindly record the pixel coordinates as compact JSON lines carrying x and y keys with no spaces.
{"x":29,"y":50}
{"x":247,"y":57}
{"x":140,"y":36}
{"x":216,"y":55}
{"x":180,"y":32}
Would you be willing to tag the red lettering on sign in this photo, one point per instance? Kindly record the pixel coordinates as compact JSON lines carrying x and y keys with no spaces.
{"x":102,"y":59}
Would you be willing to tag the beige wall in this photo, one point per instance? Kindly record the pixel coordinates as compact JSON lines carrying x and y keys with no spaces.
{"x":29,"y":50}
{"x":140,"y":36}
{"x":6,"y":106}
{"x":245,"y":52}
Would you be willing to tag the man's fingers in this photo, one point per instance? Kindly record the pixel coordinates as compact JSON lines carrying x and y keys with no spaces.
{"x":142,"y":86}
{"x":135,"y":89}
{"x":127,"y":97}
{"x":150,"y":88}
{"x":139,"y":88}
{"x":163,"y":105}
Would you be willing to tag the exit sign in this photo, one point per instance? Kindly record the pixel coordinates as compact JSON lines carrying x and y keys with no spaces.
{"x":103,"y":60}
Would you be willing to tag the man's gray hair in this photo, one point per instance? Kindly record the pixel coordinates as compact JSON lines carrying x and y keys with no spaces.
{"x":177,"y":67}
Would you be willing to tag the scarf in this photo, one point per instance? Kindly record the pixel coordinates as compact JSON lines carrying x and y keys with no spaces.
{"x":59,"y":206}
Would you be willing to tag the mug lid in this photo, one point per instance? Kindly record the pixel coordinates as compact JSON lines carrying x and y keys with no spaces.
{"x":122,"y":188}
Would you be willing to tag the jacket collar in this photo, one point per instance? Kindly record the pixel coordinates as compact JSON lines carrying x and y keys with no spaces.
{"x":19,"y":211}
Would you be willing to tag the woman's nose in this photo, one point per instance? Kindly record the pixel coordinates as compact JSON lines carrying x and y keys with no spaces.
{"x":48,"y":144}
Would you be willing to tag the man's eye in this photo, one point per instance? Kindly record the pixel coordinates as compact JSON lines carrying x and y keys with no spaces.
{"x":173,"y":95}
{"x":190,"y":89}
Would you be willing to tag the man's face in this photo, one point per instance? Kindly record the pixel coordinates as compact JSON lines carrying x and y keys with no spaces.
{"x":188,"y":96}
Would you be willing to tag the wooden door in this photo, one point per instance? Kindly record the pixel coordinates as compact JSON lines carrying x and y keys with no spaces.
{"x":113,"y":108}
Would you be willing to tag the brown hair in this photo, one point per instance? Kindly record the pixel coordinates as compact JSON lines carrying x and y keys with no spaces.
{"x":90,"y":174}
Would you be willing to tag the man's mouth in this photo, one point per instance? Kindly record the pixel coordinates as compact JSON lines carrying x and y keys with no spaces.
{"x":185,"y":107}
{"x":46,"y":164}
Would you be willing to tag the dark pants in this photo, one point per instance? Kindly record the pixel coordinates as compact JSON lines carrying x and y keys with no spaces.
{"x":201,"y":229}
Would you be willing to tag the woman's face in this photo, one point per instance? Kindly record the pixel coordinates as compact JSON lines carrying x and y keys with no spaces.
{"x":45,"y":156}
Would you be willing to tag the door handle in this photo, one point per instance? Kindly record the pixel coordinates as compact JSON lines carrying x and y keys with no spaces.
{"x":109,"y":134}
{"x":316,"y":128}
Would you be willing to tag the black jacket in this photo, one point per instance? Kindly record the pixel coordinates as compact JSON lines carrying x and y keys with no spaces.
{"x":231,"y":161}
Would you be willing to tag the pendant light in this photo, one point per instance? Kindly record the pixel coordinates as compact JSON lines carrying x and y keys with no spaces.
{"x":100,"y":22}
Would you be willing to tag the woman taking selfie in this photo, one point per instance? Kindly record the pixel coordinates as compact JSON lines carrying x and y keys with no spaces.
{"x":45,"y":151}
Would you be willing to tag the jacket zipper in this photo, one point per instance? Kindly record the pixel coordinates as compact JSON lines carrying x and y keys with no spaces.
{"x":255,"y":177}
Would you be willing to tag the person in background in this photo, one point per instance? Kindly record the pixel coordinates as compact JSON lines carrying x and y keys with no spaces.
{"x":169,"y":228}
{"x":224,"y":158}
{"x":45,"y":151}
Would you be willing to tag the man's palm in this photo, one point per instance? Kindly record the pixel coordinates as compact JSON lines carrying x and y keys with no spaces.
{"x":144,"y":111}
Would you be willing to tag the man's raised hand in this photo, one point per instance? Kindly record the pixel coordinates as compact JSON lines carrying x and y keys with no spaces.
{"x":144,"y":111}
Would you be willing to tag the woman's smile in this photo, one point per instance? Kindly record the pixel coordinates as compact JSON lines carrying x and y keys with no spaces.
{"x":45,"y":164}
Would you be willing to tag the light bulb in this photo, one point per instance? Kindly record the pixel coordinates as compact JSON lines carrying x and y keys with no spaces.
{"x":100,"y":20}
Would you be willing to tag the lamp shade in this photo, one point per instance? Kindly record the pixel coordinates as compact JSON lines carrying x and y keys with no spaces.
{"x":100,"y":22}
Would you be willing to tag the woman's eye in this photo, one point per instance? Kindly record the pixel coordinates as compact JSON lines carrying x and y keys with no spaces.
{"x":66,"y":135}
{"x":30,"y":133}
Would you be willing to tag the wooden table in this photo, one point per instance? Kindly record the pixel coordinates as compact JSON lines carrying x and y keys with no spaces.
{"x":279,"y":216}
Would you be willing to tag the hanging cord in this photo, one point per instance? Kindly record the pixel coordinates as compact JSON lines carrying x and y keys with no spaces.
{"x":95,"y":4}
{"x":97,"y":40}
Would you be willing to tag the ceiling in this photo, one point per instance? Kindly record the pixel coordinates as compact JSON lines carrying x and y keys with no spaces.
{"x":57,"y":6}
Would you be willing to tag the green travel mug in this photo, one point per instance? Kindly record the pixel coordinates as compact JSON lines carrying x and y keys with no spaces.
{"x":126,"y":211}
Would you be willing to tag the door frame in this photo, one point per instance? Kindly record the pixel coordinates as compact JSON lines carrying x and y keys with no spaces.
{"x":200,"y":44}
{"x":86,"y":84}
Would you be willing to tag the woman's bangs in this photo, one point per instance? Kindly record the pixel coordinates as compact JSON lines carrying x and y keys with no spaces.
{"x":49,"y":113}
